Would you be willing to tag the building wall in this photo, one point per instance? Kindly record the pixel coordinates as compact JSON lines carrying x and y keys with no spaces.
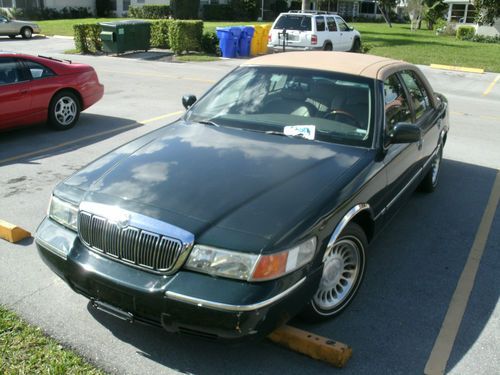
{"x":59,"y":4}
{"x":489,"y":30}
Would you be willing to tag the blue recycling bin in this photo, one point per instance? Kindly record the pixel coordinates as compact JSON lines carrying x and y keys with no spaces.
{"x":236,"y":32}
{"x":226,"y":41}
{"x":245,"y":40}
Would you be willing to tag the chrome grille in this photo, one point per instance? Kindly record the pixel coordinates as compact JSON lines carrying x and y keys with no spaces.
{"x":132,"y":245}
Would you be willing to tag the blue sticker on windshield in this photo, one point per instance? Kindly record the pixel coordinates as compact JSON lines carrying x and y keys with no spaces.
{"x":305,"y":131}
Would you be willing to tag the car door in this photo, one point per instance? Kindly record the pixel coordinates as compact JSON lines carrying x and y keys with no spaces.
{"x":346,"y":34}
{"x":401,"y":160}
{"x":4,"y":26}
{"x":43,"y":86}
{"x":321,"y":32}
{"x":15,"y":94}
{"x":426,"y":117}
{"x":333,"y":33}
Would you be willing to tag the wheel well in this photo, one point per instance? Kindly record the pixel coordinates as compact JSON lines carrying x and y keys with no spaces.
{"x":77,"y":94}
{"x":365,"y":221}
{"x":26,"y":27}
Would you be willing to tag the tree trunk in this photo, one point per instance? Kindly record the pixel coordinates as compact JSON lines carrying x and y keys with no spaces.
{"x":382,"y":10}
{"x":304,"y":5}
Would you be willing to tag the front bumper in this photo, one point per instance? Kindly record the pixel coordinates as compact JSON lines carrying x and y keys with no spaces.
{"x":279,"y":48}
{"x":186,"y":302}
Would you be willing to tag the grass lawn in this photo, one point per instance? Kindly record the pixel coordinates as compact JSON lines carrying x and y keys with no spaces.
{"x":26,"y":350}
{"x":399,"y":42}
{"x":425,"y":47}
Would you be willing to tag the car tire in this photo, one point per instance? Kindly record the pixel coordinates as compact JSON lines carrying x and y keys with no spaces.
{"x":26,"y":33}
{"x":356,"y":45}
{"x":343,"y":271}
{"x":12,"y":36}
{"x":328,"y":47}
{"x":64,"y":110}
{"x":431,"y":179}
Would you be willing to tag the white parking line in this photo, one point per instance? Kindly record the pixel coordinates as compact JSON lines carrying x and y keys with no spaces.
{"x":444,"y":343}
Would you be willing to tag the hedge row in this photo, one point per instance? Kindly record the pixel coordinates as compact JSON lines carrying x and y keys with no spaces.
{"x":178,"y":35}
{"x":87,"y":37}
{"x":466,"y":32}
{"x":185,"y":35}
{"x":150,"y":11}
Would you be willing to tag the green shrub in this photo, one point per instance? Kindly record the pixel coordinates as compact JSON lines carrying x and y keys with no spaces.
{"x":210,"y":43}
{"x":87,"y":37}
{"x":465,"y":32}
{"x":218,"y":12}
{"x":185,"y":35}
{"x":159,"y":33}
{"x":185,"y":9}
{"x":279,"y":6}
{"x":486,"y":39}
{"x":153,"y":12}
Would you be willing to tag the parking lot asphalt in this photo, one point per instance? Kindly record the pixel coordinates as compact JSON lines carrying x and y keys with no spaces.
{"x":414,"y":265}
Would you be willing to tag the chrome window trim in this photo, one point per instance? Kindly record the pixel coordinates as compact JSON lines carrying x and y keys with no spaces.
{"x":228,"y":307}
{"x":345,"y":220}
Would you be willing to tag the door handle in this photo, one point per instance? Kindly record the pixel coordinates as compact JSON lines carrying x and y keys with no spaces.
{"x":24,"y":92}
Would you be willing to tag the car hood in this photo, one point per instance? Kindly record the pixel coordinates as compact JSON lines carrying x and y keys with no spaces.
{"x":221,"y":183}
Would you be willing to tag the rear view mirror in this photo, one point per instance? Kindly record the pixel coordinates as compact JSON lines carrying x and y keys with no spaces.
{"x":405,"y":133}
{"x":188,"y":100}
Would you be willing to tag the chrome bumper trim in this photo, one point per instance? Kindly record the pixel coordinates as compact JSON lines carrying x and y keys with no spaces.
{"x":227,"y":307}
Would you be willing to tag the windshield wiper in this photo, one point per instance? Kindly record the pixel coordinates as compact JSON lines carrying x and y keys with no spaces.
{"x":208,"y":122}
{"x":275,"y":132}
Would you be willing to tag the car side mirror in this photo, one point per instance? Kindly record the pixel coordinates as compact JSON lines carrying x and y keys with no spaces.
{"x":405,"y":133}
{"x":188,"y":100}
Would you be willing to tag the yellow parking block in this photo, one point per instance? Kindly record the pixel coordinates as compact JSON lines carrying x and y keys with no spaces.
{"x":457,"y":68}
{"x":12,"y":233}
{"x":314,"y":346}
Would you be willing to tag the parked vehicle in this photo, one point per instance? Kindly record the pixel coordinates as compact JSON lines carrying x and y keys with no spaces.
{"x":305,"y":31}
{"x":255,"y":206}
{"x":43,"y":89}
{"x":11,"y":28}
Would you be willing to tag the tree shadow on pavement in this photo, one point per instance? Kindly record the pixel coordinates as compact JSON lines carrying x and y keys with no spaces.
{"x":28,"y":144}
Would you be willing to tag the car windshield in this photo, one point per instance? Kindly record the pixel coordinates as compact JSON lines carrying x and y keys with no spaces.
{"x":313,"y":104}
{"x":294,"y":22}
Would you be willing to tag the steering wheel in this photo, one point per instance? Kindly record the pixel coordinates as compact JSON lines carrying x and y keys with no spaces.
{"x":339,"y":112}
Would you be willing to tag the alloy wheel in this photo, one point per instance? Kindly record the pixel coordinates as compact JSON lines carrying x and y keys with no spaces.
{"x":65,"y":110}
{"x":341,"y":267}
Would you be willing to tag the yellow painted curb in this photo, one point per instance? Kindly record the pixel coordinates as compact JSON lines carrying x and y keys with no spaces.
{"x":314,"y":346}
{"x":12,"y":233}
{"x":457,"y":68}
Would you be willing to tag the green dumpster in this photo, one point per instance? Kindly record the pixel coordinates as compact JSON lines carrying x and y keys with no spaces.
{"x":122,"y":36}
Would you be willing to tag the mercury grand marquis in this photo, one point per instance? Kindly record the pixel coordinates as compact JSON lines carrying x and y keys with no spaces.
{"x":258,"y":204}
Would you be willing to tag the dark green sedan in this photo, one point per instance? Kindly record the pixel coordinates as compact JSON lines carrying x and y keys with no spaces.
{"x":258,"y":204}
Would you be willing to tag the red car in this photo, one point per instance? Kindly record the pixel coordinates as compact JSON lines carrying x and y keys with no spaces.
{"x":42,"y":89}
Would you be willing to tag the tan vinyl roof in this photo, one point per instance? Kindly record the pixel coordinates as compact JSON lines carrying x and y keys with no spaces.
{"x":342,"y":62}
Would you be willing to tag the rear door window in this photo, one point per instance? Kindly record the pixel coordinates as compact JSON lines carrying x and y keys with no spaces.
{"x":332,"y":26}
{"x":38,"y":70}
{"x":418,"y":93}
{"x":294,"y":22}
{"x":320,"y":23}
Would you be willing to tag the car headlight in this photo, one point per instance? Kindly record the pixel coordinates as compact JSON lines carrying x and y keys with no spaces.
{"x":250,"y":267}
{"x":63,"y":212}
